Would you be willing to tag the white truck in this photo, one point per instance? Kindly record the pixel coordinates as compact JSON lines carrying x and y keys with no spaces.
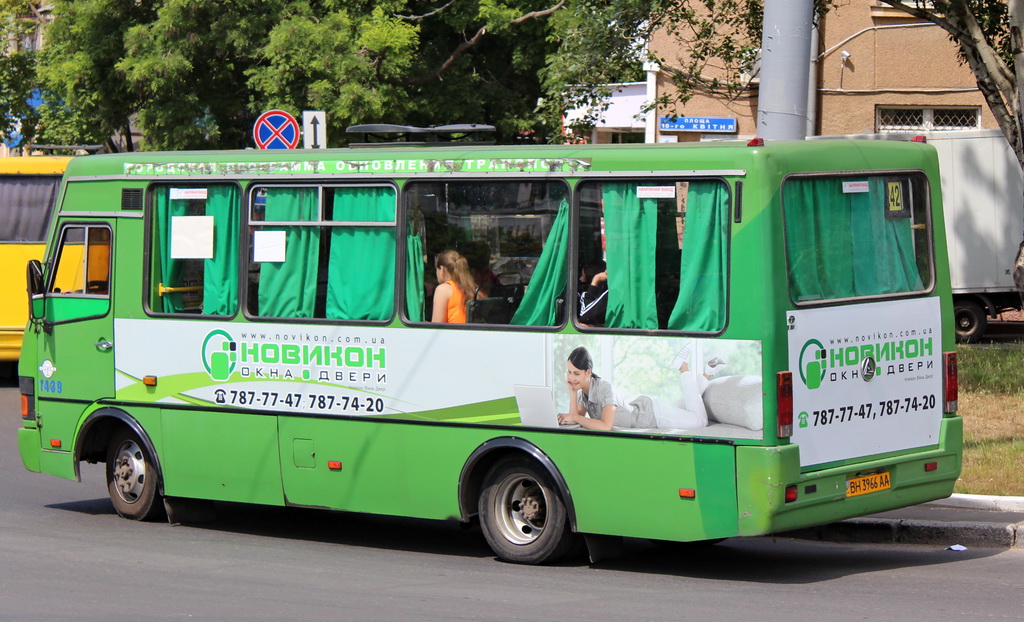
{"x":983,"y":196}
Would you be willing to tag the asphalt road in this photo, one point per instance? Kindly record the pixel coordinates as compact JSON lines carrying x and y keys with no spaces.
{"x":64,"y":554}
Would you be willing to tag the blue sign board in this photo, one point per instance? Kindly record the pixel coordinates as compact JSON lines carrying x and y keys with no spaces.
{"x":697,"y":124}
{"x":276,"y":129}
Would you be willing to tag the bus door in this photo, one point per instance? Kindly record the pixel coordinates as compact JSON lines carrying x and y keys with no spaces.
{"x":76,"y":329}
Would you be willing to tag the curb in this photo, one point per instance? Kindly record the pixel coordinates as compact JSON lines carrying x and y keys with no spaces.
{"x":997,"y":533}
{"x":981,"y":502}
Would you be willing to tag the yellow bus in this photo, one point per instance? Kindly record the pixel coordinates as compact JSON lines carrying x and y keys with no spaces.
{"x":28,"y":190}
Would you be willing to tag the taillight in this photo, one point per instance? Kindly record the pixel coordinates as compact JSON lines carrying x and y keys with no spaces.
{"x":791,"y":493}
{"x":784,"y":393}
{"x":950,"y":379}
{"x":28,"y":398}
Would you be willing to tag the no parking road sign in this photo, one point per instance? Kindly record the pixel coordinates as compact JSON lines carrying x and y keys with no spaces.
{"x":276,"y":129}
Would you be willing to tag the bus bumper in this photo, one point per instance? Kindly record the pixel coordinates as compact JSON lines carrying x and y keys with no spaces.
{"x":28,"y":447}
{"x":916,"y":477}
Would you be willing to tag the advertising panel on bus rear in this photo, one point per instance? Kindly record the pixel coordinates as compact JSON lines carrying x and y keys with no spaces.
{"x":869,"y":379}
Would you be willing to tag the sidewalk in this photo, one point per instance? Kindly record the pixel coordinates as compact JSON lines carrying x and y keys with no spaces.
{"x":967,"y":520}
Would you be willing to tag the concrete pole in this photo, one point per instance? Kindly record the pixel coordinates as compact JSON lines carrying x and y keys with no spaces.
{"x":785,"y":57}
{"x":651,"y":120}
{"x":812,"y":84}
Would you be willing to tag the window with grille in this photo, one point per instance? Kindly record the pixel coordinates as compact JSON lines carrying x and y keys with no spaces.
{"x":910,"y":119}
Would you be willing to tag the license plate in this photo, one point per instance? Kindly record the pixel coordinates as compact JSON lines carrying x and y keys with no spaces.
{"x":868,"y":484}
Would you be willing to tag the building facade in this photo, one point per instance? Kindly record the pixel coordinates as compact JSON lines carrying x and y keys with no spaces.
{"x":872,"y":69}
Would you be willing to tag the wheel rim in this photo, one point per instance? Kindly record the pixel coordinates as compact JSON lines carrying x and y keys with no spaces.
{"x":129,"y":472}
{"x":521,"y":509}
{"x":966,"y":321}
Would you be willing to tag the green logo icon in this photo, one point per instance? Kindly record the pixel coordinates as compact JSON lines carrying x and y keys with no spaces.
{"x":813,"y":364}
{"x":220,"y":354}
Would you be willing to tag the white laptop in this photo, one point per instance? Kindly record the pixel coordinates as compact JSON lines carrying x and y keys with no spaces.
{"x":537,"y":407}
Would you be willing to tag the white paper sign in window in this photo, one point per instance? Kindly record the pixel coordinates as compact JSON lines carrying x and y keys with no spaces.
{"x":192,"y":237}
{"x":184,"y":194}
{"x":268,"y":246}
{"x":656,"y":192}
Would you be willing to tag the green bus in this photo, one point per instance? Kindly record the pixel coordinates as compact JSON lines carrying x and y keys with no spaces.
{"x":776,"y":349}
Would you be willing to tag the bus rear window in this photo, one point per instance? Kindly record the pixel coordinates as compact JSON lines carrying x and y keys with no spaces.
{"x":857,"y":236}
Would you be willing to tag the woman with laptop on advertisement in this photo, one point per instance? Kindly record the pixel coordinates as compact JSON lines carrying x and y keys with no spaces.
{"x":596,"y":405}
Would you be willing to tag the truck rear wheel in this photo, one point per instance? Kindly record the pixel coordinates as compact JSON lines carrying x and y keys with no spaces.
{"x":970,"y":321}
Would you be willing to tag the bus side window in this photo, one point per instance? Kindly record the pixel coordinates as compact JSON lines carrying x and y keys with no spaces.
{"x":514,"y":237}
{"x":83,"y":262}
{"x":322,"y":252}
{"x":79,"y":286}
{"x":194,"y":249}
{"x":661,"y":245}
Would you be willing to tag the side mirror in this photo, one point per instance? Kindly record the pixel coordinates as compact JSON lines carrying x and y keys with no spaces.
{"x":36,"y":285}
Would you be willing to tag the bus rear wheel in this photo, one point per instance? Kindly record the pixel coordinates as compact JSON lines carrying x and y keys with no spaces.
{"x":522,"y":516}
{"x":132,"y":478}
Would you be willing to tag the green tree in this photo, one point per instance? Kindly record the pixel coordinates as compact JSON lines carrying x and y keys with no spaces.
{"x":78,"y":63}
{"x":19,"y":22}
{"x":17,"y":83}
{"x":194,"y":74}
{"x":186,"y":66}
{"x":988,"y":33}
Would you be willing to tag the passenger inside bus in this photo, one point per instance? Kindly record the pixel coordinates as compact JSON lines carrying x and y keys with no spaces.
{"x":478,"y":254}
{"x":593,"y":302}
{"x":456,"y":285}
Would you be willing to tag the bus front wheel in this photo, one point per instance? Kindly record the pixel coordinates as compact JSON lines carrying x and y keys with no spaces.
{"x":522,"y":515}
{"x":132,"y":478}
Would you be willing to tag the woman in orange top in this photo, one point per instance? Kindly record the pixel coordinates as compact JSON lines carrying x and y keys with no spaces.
{"x":456,"y":286}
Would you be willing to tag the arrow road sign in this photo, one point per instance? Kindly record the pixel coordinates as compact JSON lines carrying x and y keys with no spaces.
{"x":276,"y":129}
{"x":314,"y":129}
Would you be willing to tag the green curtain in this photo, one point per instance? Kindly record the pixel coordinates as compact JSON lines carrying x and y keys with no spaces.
{"x":170,"y":269}
{"x":220,"y":274}
{"x":700,"y":305}
{"x":540,"y":303}
{"x":414,"y":290}
{"x":631,"y":226}
{"x":288,"y":288}
{"x":362,"y":258}
{"x":841,"y":245}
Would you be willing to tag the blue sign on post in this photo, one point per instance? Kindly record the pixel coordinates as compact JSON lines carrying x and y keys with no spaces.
{"x":276,"y":129}
{"x":697,"y":124}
